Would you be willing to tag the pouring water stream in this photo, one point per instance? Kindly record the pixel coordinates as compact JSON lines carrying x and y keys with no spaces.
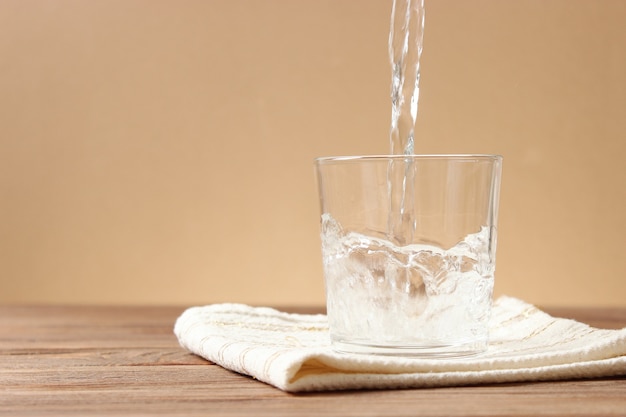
{"x":406,"y":36}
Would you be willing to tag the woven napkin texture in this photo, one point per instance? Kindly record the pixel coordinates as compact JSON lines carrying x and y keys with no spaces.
{"x":292,"y":351}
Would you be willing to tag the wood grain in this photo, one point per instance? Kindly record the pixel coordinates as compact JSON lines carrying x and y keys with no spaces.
{"x":57,"y":360}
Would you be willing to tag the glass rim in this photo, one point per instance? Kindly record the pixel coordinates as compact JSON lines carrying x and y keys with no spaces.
{"x":414,"y":157}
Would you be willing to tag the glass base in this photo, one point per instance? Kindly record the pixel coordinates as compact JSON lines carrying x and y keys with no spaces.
{"x":424,"y":351}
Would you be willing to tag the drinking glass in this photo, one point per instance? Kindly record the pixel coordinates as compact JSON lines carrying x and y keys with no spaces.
{"x":409,"y":252}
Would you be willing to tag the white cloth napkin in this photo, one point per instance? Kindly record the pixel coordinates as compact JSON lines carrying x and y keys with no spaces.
{"x":292,"y":351}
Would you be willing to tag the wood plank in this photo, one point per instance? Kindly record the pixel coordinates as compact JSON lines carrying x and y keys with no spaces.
{"x":200,"y":391}
{"x":41,"y":359}
{"x":86,"y":326}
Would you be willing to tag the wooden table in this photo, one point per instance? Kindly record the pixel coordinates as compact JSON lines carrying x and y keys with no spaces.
{"x":126,"y":361}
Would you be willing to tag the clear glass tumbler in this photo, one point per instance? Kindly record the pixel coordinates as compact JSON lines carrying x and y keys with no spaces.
{"x":409,"y":249}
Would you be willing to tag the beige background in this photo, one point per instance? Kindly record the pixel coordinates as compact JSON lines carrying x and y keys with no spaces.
{"x":161,"y":151}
